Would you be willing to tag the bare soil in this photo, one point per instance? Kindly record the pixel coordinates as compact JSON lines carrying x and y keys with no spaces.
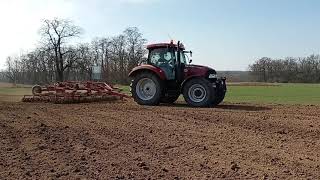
{"x":122,"y":140}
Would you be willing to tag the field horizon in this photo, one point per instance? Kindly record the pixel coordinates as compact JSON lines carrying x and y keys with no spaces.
{"x":240,"y":92}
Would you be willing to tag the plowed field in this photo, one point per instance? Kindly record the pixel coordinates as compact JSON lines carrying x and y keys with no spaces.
{"x":122,"y":140}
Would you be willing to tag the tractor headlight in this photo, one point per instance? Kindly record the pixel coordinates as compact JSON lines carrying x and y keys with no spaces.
{"x":211,"y":76}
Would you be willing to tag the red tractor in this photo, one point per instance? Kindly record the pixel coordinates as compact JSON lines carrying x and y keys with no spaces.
{"x":167,"y":74}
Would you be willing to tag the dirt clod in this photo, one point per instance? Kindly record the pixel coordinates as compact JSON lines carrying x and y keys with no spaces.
{"x":165,"y":170}
{"x":141,"y":164}
{"x":234,"y":166}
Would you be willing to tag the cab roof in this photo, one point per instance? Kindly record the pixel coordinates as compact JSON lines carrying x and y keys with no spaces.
{"x":164,"y":45}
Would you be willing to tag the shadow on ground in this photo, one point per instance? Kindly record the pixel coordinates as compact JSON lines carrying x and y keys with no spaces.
{"x":240,"y":107}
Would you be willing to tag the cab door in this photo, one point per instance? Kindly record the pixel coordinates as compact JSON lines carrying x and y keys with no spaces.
{"x":164,"y":58}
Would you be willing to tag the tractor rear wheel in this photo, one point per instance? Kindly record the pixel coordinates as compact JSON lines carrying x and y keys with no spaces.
{"x":146,"y":89}
{"x":199,"y":93}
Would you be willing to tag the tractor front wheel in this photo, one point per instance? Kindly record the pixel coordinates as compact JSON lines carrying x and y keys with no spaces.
{"x":198,"y":93}
{"x":220,"y":93}
{"x":146,"y":89}
{"x":219,"y":98}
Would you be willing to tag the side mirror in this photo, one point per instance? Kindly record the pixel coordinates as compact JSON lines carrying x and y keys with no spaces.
{"x":190,"y":53}
{"x":190,"y":61}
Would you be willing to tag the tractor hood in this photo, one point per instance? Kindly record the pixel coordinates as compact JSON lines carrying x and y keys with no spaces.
{"x":198,"y":70}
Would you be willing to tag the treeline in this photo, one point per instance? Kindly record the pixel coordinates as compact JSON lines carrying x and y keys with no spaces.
{"x":235,"y":76}
{"x":295,"y":70}
{"x":58,"y":59}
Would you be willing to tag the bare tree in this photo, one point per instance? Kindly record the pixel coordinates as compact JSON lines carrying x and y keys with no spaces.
{"x":57,"y":59}
{"x":305,"y":69}
{"x":56,"y":34}
{"x":105,"y":44}
{"x":11,"y":71}
{"x":135,"y":42}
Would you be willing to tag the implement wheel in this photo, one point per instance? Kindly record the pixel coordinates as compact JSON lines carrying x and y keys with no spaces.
{"x":36,"y":90}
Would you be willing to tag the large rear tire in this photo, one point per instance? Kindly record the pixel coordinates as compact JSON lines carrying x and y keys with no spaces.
{"x":146,"y":89}
{"x":199,"y":93}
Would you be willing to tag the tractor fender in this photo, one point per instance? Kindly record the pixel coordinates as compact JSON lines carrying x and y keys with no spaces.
{"x":149,"y":68}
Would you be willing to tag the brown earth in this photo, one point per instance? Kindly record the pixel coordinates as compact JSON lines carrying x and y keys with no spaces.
{"x":122,"y":140}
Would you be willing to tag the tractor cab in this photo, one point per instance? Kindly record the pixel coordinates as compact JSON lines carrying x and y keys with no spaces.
{"x":167,"y":74}
{"x":165,"y":57}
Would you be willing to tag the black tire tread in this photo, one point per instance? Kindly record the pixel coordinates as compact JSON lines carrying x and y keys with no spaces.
{"x":219,"y":99}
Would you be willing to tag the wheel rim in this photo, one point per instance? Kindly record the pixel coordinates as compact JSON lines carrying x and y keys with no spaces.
{"x":197,"y":93}
{"x":146,"y":89}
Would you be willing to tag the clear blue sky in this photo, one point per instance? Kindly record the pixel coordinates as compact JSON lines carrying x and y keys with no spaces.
{"x":224,"y":34}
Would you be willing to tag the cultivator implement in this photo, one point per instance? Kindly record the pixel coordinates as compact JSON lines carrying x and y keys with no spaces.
{"x":74,"y":92}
